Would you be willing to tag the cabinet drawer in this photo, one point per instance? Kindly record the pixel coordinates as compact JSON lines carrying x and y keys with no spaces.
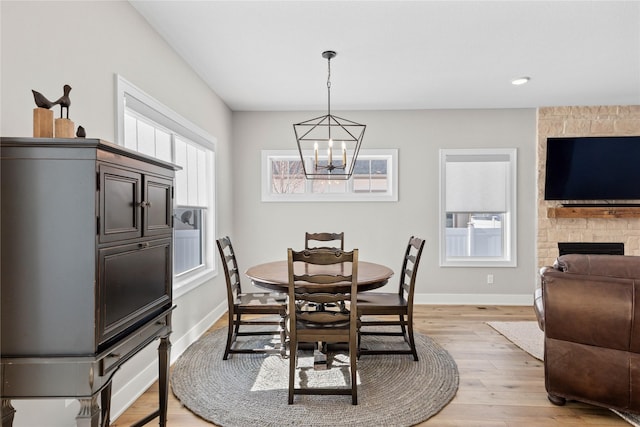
{"x":135,"y":341}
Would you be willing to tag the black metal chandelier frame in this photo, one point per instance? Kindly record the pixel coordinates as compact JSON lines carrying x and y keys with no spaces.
{"x":341,"y":137}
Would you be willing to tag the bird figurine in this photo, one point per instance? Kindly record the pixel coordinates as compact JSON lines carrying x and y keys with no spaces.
{"x":64,"y":101}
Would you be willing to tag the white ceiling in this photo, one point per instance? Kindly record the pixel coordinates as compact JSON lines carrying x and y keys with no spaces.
{"x":397,"y":54}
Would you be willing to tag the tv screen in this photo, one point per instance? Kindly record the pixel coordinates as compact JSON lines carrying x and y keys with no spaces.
{"x":593,"y":168}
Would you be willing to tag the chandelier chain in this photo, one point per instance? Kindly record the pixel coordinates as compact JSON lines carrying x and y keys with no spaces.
{"x":328,"y":72}
{"x":329,"y":88}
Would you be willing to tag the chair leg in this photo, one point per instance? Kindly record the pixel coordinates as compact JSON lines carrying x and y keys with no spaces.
{"x":230,"y":335}
{"x":293,"y":355}
{"x":402,"y":327}
{"x":283,"y":335}
{"x":354,"y":372}
{"x":238,"y":321}
{"x":412,"y":341}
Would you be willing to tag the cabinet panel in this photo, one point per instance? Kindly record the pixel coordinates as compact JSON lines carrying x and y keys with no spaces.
{"x":120,"y":212}
{"x":135,"y":281}
{"x":47,"y":256}
{"x":158,"y":207}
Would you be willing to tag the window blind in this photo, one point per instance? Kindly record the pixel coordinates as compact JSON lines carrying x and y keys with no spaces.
{"x":476,"y":183}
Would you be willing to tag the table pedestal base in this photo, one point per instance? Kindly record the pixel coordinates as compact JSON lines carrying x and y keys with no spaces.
{"x":319,"y":358}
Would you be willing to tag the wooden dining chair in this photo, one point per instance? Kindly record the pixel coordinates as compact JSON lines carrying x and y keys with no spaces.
{"x":395,"y":308}
{"x":257,"y":303}
{"x":322,"y":316}
{"x":325,"y":238}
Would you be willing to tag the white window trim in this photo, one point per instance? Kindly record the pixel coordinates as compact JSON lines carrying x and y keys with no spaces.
{"x":510,"y":240}
{"x":391,"y":196}
{"x":155,"y":110}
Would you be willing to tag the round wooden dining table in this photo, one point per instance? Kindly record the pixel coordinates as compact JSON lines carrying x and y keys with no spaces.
{"x":275,"y":275}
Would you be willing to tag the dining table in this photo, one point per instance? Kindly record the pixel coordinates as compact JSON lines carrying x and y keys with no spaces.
{"x":274,"y":275}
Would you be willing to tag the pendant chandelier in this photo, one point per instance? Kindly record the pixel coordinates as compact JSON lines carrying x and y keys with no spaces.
{"x":328,"y":144}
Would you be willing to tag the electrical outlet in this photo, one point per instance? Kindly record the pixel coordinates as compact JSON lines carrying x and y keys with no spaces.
{"x":489,"y":279}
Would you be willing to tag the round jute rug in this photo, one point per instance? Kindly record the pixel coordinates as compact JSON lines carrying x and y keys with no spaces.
{"x":251,"y":389}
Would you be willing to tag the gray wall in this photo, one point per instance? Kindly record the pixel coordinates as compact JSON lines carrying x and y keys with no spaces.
{"x":380,"y":230}
{"x":48,"y":44}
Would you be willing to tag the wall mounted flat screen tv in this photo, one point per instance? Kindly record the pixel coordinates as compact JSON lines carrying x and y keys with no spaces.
{"x":593,"y":168}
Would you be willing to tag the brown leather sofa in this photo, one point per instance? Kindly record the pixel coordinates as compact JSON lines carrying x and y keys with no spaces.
{"x":589,"y":309}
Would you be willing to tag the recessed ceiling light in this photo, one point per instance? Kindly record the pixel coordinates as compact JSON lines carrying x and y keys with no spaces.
{"x":520,"y":81}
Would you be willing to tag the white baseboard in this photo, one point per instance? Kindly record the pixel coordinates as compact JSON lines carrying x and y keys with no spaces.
{"x":474,"y":299}
{"x":180,"y":345}
{"x":126,"y":395}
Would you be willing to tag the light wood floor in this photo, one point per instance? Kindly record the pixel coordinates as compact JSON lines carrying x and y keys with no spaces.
{"x":500,"y":385}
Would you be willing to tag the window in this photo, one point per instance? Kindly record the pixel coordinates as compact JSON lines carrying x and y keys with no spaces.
{"x":477,"y":207}
{"x":146,"y":126}
{"x":375,"y":178}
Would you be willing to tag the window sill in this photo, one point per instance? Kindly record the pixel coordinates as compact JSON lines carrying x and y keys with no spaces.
{"x":185,"y":285}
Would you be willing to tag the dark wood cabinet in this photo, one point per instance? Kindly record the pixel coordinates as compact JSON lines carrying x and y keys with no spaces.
{"x":86,"y":268}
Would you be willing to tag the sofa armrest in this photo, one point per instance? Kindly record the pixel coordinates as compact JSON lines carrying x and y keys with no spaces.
{"x":588,"y":309}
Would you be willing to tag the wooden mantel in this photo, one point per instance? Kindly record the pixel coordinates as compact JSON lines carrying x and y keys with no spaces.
{"x":612,"y":211}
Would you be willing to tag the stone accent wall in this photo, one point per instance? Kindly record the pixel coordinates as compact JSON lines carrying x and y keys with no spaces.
{"x":582,"y":121}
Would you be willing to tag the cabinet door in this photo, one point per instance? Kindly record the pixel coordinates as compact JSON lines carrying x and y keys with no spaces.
{"x":134,"y":283}
{"x":120,"y":207}
{"x":157,"y":206}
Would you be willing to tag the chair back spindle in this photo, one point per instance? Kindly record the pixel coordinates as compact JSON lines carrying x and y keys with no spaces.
{"x":410,"y":264}
{"x":325,"y":239}
{"x":230,"y":266}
